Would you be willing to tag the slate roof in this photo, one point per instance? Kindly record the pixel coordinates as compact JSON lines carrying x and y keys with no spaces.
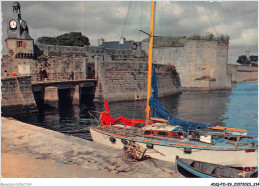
{"x":15,"y":35}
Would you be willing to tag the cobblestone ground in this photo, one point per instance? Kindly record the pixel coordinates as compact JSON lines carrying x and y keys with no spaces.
{"x":40,"y":143}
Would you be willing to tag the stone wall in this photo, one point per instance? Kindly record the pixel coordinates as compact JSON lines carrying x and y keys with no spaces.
{"x":18,"y":66}
{"x":17,"y":95}
{"x":27,"y":46}
{"x":61,"y":64}
{"x":120,"y":81}
{"x":90,"y":51}
{"x":201,"y":64}
{"x":240,"y":73}
{"x":52,"y":64}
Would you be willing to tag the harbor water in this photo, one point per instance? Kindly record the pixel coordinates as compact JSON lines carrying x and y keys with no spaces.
{"x":236,"y":108}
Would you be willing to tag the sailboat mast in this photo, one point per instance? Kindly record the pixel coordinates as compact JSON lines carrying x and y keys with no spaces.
{"x":150,"y":59}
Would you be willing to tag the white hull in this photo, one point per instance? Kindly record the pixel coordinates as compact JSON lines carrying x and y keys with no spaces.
{"x":233,"y":158}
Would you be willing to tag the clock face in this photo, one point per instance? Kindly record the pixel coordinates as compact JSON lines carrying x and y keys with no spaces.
{"x":13,"y":24}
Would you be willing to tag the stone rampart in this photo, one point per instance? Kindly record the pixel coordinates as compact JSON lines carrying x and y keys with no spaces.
{"x":121,"y":81}
{"x":109,"y":54}
{"x":240,"y":73}
{"x":17,"y":95}
{"x":61,"y":64}
{"x":201,"y":64}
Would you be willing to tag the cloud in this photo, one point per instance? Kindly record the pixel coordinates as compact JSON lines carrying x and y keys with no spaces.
{"x":107,"y":19}
{"x":247,"y":37}
{"x":231,"y":30}
{"x":177,"y":9}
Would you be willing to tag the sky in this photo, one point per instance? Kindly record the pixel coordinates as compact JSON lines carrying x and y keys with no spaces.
{"x":112,"y":20}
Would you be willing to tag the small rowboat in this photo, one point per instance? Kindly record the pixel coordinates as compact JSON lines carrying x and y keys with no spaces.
{"x":197,"y":169}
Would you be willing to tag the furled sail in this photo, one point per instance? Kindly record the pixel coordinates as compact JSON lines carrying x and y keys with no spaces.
{"x":159,"y":111}
{"x":107,"y":120}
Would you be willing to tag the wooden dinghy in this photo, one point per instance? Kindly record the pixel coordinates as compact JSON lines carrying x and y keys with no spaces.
{"x":197,"y":169}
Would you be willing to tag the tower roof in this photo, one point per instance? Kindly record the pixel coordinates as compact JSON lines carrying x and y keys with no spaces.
{"x":16,"y":4}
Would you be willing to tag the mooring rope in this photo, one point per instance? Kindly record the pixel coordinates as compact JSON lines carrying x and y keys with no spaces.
{"x":156,"y":165}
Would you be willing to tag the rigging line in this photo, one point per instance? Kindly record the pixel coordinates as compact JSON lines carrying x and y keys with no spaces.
{"x":141,"y":19}
{"x":155,"y":29}
{"x":126,"y":18}
{"x":155,"y":16}
{"x":160,"y":29}
{"x":210,"y":19}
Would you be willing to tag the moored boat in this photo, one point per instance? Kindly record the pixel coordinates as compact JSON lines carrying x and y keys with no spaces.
{"x":166,"y":137}
{"x":193,"y":169}
{"x":164,"y":144}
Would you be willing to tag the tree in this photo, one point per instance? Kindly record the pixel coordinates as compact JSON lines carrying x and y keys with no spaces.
{"x":243,"y":60}
{"x":67,"y":39}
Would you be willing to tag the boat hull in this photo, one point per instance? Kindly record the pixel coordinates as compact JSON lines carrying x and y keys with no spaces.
{"x":190,"y":172}
{"x":233,"y":158}
{"x":193,"y":169}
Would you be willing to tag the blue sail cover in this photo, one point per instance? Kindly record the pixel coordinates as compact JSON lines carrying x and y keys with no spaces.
{"x":159,"y":111}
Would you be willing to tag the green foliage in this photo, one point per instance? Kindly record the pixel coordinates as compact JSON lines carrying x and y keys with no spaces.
{"x":243,"y":60}
{"x":47,"y":40}
{"x":67,"y":39}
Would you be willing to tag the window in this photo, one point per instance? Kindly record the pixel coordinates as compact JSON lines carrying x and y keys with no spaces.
{"x":20,"y":43}
{"x":135,"y":46}
{"x":162,"y":133}
{"x":148,"y":132}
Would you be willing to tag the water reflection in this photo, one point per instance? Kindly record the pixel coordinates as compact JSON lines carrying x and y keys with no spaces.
{"x":209,"y":107}
{"x":201,"y":106}
{"x":242,"y":110}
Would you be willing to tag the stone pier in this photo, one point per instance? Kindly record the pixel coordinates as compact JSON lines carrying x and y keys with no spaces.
{"x":17,"y":95}
{"x":53,"y":154}
{"x":73,"y":92}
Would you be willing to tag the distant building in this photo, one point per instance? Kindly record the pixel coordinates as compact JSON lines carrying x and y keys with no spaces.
{"x":253,"y":58}
{"x":122,"y":44}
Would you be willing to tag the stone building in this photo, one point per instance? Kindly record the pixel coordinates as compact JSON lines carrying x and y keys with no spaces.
{"x":122,"y":44}
{"x":19,"y":45}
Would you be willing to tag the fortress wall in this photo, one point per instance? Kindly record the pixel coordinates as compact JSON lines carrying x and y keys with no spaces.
{"x":120,"y":81}
{"x":60,"y":64}
{"x":93,"y":50}
{"x":223,"y":78}
{"x":240,"y":73}
{"x":17,"y":95}
{"x":232,"y":70}
{"x":247,"y":73}
{"x":201,"y":64}
{"x":19,"y":66}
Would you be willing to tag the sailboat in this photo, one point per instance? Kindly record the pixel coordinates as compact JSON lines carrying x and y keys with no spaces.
{"x":165,"y":137}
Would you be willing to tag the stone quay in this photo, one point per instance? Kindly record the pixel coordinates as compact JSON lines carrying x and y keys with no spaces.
{"x":29,"y":151}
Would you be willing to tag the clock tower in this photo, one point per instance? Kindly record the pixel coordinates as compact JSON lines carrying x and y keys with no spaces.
{"x":19,"y":43}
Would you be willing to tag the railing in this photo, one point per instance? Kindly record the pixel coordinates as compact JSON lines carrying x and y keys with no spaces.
{"x":60,"y":77}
